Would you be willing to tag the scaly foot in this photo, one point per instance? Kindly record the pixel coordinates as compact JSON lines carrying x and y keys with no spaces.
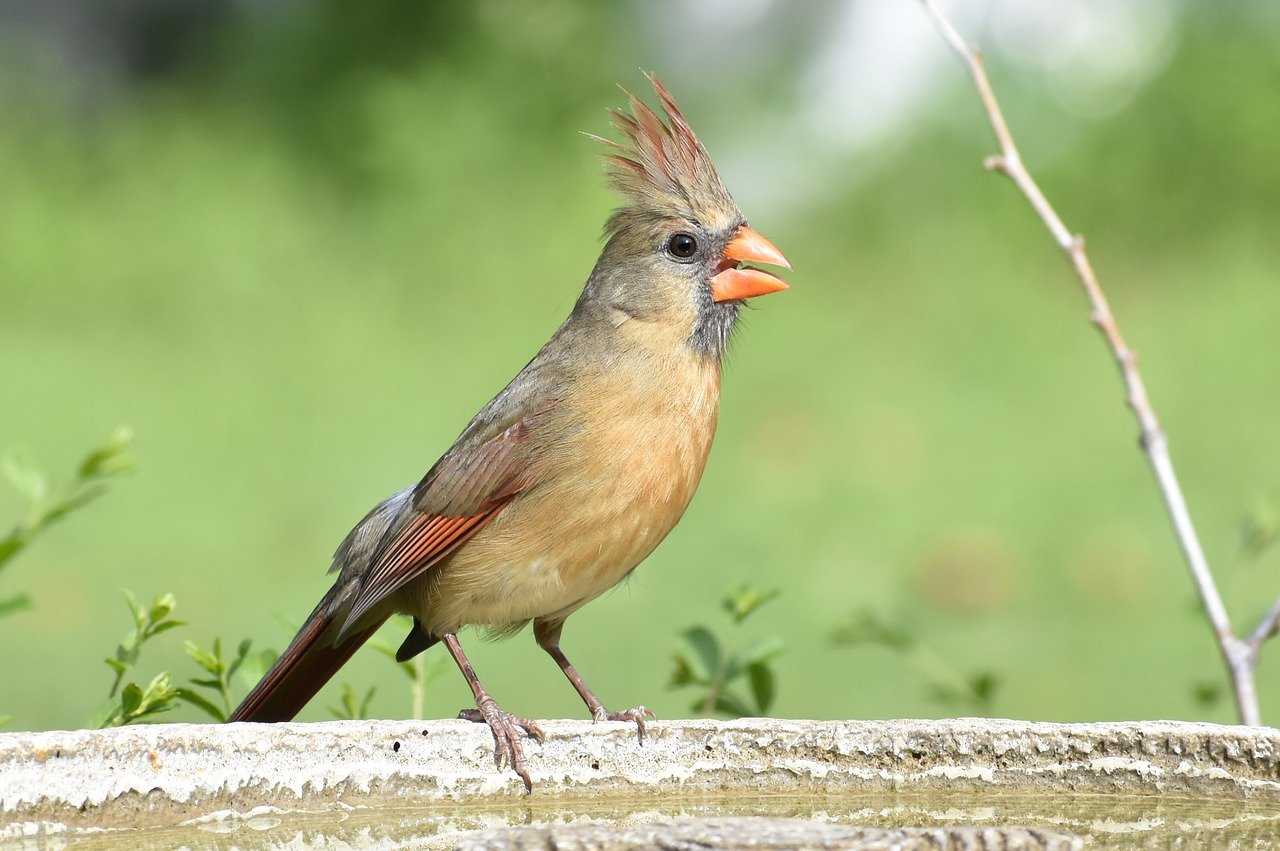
{"x":637,"y":715}
{"x":506,"y":736}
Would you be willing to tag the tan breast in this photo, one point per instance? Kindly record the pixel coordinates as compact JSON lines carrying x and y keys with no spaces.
{"x":634,"y":444}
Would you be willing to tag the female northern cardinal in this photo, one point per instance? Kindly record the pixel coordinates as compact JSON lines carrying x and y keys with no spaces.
{"x":580,"y":467}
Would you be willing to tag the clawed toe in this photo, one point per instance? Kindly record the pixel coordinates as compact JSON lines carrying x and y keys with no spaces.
{"x":636,"y":715}
{"x":506,"y":736}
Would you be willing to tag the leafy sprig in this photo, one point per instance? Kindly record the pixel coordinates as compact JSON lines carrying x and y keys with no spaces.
{"x":46,"y":505}
{"x":715,"y":669}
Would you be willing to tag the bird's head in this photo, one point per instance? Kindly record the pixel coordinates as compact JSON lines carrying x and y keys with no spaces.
{"x":675,"y":248}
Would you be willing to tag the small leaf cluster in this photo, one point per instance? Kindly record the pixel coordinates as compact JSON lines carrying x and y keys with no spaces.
{"x":220,"y":672}
{"x":966,"y":692}
{"x":716,"y":670}
{"x":49,"y":505}
{"x":135,"y":702}
{"x":351,"y":705}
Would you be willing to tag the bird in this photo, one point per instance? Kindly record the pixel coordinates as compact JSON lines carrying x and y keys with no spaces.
{"x":576,"y":470}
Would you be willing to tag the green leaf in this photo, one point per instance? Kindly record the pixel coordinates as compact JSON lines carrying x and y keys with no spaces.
{"x":242,"y":652}
{"x":731,"y":706}
{"x":105,"y":715}
{"x":139,"y":617}
{"x":164,"y":627}
{"x":707,"y":648}
{"x":10,"y":545}
{"x":350,"y":707}
{"x":760,"y":678}
{"x":209,"y":661}
{"x":364,"y":704}
{"x":1206,"y":693}
{"x":23,"y":475}
{"x":256,"y":666}
{"x":127,"y":649}
{"x":949,"y":695}
{"x":116,"y":665}
{"x":764,"y":650}
{"x":131,"y":700}
{"x":108,"y":460}
{"x":161,"y":607}
{"x":866,"y":627}
{"x":194,"y":698}
{"x":67,"y":504}
{"x":158,"y":697}
{"x":740,"y":604}
{"x":984,"y":687}
{"x":682,"y":673}
{"x":15,"y":604}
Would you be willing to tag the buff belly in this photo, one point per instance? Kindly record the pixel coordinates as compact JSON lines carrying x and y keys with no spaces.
{"x":570,"y":539}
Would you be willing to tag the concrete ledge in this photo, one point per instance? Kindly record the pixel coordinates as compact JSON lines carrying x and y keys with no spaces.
{"x":175,"y":774}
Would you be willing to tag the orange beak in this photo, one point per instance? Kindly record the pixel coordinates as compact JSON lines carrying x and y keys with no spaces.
{"x":747,"y":246}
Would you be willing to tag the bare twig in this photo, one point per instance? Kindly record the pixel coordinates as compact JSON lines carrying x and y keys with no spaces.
{"x":1240,"y":656}
{"x":1269,"y":626}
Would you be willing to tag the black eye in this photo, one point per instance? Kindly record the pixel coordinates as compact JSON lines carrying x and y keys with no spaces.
{"x":682,"y":245}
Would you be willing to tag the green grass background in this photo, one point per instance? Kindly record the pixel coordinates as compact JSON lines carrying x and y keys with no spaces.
{"x":298,"y":264}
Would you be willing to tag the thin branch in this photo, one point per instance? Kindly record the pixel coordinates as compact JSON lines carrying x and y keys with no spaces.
{"x":1269,"y":626}
{"x":1240,"y":656}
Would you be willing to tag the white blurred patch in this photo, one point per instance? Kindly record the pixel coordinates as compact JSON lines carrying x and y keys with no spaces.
{"x":869,"y":67}
{"x":1096,"y":54}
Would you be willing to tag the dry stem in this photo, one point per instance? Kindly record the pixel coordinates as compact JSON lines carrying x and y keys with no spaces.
{"x":1240,"y":656}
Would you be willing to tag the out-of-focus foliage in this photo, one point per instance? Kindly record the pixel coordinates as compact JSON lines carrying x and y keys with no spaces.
{"x":419,"y":671}
{"x":298,"y":245}
{"x":45,"y":507}
{"x":352,"y":706}
{"x":960,"y":693}
{"x":729,"y":678}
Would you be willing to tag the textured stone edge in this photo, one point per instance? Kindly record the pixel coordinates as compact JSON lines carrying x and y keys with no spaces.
{"x":173,"y":773}
{"x":763,"y":833}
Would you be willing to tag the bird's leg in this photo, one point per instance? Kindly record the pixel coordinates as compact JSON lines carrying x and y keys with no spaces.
{"x":547,"y":634}
{"x":505,"y":726}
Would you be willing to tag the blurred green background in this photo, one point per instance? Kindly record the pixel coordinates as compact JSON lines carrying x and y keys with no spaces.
{"x":296,"y":245}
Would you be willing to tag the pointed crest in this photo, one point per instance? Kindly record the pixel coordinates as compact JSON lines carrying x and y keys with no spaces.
{"x":661,"y":166}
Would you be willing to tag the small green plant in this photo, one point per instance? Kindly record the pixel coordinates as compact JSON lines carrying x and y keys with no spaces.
{"x":220,"y":672}
{"x":138,"y":703}
{"x":419,"y":672}
{"x":48,"y":506}
{"x":708,"y":664}
{"x":973,"y":692}
{"x":134,"y":702}
{"x":352,"y":707}
{"x":148,"y":622}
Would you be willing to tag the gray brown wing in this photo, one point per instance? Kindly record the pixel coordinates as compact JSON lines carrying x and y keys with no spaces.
{"x":466,"y":489}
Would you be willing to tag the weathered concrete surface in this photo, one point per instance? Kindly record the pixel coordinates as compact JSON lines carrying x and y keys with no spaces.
{"x":717,"y":833}
{"x":165,"y":775}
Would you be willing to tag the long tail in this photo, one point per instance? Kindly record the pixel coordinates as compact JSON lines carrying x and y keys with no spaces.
{"x":309,"y":662}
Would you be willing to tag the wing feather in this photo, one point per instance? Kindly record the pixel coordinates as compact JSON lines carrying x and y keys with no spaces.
{"x":466,"y":489}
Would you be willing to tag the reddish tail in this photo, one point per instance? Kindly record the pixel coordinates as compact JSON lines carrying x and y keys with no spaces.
{"x":306,"y":665}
